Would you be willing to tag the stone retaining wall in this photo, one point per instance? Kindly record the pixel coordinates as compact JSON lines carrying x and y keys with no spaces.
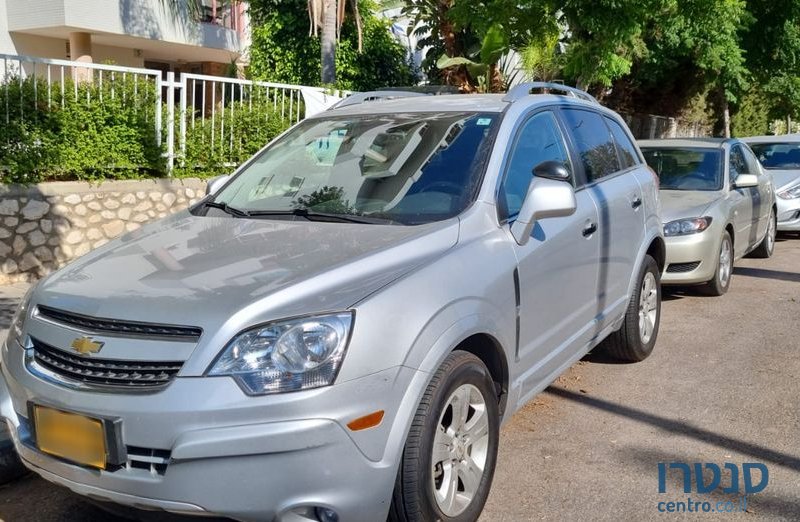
{"x":42,"y":227}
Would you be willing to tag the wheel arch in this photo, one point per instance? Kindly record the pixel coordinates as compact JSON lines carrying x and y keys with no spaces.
{"x":489,"y":350}
{"x":658,"y":251}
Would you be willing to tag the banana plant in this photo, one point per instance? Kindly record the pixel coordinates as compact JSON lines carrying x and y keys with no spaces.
{"x":482,"y":64}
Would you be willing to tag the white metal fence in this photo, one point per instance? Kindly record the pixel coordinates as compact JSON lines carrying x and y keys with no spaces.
{"x":189,"y":100}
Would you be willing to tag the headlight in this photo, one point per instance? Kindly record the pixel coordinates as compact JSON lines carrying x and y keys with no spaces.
{"x":684,"y":227}
{"x":790,"y":193}
{"x":18,"y":319}
{"x":297,"y":354}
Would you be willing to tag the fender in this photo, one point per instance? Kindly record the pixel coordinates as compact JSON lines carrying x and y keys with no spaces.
{"x":446,"y":341}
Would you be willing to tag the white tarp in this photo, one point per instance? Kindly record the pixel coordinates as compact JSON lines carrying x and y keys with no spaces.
{"x":317,"y":101}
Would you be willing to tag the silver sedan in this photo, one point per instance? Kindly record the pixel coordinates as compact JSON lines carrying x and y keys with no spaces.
{"x":718,"y":205}
{"x":780,"y":156}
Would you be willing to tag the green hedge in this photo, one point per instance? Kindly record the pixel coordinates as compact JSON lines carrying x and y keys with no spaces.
{"x":108,"y":132}
{"x":215,"y":146}
{"x":88,"y":132}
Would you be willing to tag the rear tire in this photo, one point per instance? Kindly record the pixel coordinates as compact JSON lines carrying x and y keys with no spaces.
{"x":767,"y":245}
{"x":450,"y":454}
{"x":721,"y":282}
{"x":635,"y":340}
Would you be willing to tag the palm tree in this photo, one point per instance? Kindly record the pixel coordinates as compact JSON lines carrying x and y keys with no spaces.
{"x":327,"y":17}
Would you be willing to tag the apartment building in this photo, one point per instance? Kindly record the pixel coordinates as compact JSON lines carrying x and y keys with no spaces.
{"x":170,"y":35}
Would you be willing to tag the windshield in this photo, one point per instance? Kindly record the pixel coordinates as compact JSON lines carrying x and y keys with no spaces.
{"x":404,"y":168}
{"x":686,"y":169}
{"x":778,"y":156}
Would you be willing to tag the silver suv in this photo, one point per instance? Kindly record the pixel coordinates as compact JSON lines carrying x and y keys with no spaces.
{"x":339,"y":329}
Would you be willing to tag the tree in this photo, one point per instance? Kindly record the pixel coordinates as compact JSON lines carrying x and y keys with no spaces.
{"x":282,"y":51}
{"x":772,"y":44}
{"x":467,"y":38}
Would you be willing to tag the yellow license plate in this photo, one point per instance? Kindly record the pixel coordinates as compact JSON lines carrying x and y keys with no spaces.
{"x":70,"y":436}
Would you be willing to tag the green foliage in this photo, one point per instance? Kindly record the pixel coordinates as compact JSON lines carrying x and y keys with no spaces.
{"x":493,"y":46}
{"x":216,"y":146}
{"x":283,"y":51}
{"x":753,"y":115}
{"x":90,"y":132}
{"x":481,"y":32}
{"x":113,"y":136}
{"x":541,"y":59}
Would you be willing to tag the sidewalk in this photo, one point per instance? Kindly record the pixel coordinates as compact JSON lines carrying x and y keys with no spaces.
{"x":9,"y":299}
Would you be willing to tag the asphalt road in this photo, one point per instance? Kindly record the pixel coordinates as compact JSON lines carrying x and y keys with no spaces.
{"x":721,"y":387}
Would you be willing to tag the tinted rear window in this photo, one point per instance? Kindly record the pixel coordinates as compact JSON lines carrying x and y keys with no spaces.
{"x":594,"y":143}
{"x":627,"y":150}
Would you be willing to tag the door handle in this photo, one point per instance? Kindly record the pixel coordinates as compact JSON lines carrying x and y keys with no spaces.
{"x":637,"y":202}
{"x":589,"y":229}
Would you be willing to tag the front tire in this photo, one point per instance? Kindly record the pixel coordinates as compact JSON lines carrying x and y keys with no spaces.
{"x":635,"y":340}
{"x":11,"y":467}
{"x":767,"y":245}
{"x":721,"y":282}
{"x":450,"y":454}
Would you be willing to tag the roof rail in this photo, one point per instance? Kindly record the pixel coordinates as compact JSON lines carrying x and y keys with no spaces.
{"x":524,"y":89}
{"x":371,"y":96}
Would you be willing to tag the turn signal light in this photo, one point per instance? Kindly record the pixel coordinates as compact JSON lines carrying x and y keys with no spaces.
{"x":367,"y":421}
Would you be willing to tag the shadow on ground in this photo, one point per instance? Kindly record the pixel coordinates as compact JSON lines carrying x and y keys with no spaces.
{"x":763,"y":453}
{"x":792,"y":277}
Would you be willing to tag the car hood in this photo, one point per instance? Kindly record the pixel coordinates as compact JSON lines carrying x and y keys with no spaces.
{"x":679,"y":204}
{"x":200,"y":271}
{"x":785,"y":178}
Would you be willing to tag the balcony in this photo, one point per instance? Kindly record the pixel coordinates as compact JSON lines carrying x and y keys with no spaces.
{"x":161,"y":29}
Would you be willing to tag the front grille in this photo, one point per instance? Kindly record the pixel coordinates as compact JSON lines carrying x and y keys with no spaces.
{"x":105,"y":372}
{"x":119,"y":327}
{"x":681,"y":268}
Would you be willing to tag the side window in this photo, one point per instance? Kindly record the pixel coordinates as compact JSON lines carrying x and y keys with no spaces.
{"x":753,"y":164}
{"x":737,"y":163}
{"x":538,"y":140}
{"x":627,"y":150}
{"x":594,"y":143}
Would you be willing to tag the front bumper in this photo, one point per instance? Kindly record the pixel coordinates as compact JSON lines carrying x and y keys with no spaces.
{"x":226,"y":454}
{"x":788,"y":215}
{"x":691,"y":259}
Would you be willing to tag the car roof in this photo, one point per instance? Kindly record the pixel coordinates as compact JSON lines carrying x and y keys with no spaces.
{"x":447,"y":103}
{"x":783,"y":138}
{"x":695,"y":143}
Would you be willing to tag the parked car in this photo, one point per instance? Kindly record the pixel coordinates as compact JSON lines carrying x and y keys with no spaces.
{"x":780,"y":156}
{"x":718,"y":205}
{"x":337,"y":331}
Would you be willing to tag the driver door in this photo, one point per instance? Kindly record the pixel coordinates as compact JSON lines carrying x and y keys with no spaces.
{"x":744,"y":202}
{"x":557,"y":268}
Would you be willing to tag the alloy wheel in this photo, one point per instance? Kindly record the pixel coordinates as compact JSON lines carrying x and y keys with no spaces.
{"x":648,"y":307}
{"x":460,"y":450}
{"x":725,"y":262}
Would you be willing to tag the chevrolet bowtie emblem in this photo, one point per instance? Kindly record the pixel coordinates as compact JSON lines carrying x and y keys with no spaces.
{"x":86,"y":345}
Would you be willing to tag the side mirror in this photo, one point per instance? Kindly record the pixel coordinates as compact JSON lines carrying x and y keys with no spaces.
{"x":745,"y":181}
{"x":214,"y":184}
{"x":546,"y":198}
{"x":554,"y":170}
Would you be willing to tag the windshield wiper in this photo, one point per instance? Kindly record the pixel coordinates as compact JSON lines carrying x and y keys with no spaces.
{"x":233,"y":211}
{"x":323,"y":216}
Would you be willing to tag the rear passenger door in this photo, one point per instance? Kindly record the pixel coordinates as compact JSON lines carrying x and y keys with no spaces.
{"x":610,"y":179}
